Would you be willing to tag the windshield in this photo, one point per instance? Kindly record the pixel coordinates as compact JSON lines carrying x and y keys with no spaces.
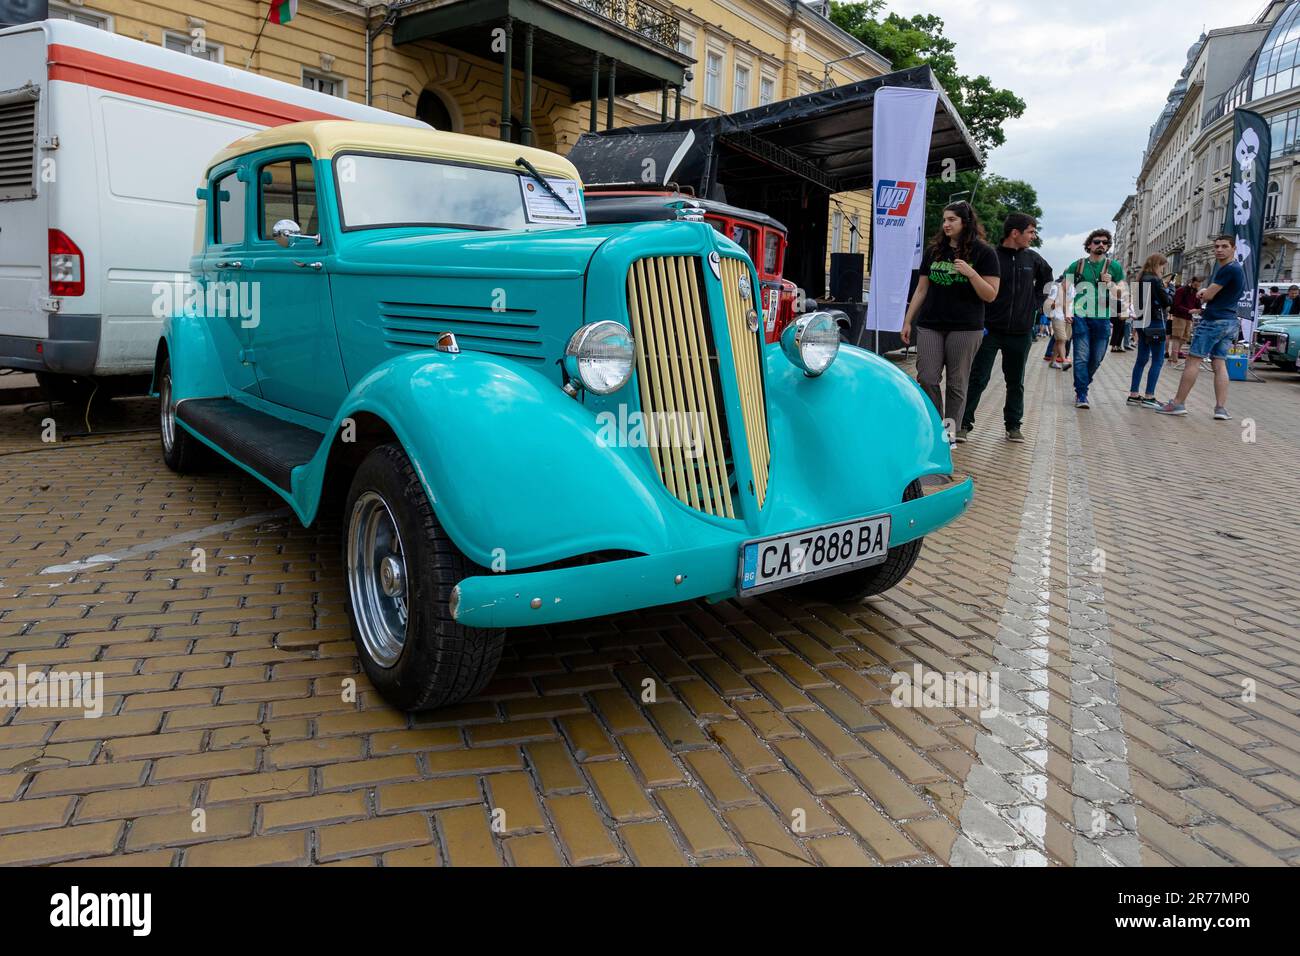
{"x":406,"y":191}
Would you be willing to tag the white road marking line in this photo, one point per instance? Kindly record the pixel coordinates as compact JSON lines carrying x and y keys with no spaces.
{"x":148,"y":547}
{"x":1105,"y":816}
{"x":1004,"y":817}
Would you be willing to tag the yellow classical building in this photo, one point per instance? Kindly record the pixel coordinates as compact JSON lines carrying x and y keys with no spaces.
{"x":593,"y":64}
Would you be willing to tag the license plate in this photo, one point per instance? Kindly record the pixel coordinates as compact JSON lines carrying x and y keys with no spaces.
{"x":787,"y":559}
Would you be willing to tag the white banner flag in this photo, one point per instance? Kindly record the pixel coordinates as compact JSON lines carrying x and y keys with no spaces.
{"x":903,"y":124}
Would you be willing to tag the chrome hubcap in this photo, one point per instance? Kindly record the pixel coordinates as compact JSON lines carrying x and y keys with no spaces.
{"x":167,"y":413}
{"x":377,"y":579}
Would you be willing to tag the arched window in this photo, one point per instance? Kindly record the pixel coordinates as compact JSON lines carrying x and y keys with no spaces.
{"x":1274,"y":195}
{"x":432,"y":110}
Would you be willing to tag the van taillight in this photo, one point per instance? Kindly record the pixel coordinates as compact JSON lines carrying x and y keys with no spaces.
{"x":67,"y":266}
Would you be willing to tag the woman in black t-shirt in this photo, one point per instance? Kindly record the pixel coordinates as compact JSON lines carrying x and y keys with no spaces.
{"x":959,"y":275}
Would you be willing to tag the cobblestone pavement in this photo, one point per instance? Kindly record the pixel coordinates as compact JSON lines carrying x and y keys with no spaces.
{"x":1130,"y":581}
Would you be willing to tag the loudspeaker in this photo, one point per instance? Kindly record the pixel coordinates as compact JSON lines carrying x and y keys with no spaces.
{"x":847,"y":270}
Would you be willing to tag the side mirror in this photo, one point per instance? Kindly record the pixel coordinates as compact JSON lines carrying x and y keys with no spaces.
{"x":287,"y":233}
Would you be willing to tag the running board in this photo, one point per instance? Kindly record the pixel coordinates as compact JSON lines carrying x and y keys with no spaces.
{"x":268,"y":445}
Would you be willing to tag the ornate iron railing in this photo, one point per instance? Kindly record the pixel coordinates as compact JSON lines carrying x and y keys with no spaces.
{"x":639,"y":17}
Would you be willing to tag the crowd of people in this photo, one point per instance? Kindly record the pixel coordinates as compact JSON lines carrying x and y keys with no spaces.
{"x":974,"y":301}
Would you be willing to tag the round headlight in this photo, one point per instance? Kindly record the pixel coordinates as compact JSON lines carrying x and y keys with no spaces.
{"x":599,"y":357}
{"x":811,"y":342}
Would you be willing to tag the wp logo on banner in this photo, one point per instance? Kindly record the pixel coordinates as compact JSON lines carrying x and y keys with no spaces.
{"x":893,"y":202}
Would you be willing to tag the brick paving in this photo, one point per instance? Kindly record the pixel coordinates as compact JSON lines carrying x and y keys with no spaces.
{"x":1130,"y":580}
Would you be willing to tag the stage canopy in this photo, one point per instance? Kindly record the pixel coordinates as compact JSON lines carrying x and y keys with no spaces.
{"x":784,"y":159}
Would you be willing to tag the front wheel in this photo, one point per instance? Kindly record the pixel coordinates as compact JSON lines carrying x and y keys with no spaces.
{"x":863,"y":583}
{"x":401,"y":569}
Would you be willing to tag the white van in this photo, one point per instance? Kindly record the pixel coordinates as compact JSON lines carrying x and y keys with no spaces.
{"x":103,"y":142}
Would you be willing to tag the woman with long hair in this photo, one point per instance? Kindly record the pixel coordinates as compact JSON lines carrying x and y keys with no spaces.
{"x":1153,"y":310}
{"x":959,"y":275}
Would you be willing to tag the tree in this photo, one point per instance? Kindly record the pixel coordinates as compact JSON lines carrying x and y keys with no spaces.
{"x":995,"y":198}
{"x":984,"y":108}
{"x":918,"y":40}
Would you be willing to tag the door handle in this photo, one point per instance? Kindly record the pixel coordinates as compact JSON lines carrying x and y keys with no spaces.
{"x":230,"y":264}
{"x":308,"y":265}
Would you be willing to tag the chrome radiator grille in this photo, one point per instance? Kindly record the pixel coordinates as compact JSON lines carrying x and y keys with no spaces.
{"x":745,"y":346}
{"x":677,"y":362}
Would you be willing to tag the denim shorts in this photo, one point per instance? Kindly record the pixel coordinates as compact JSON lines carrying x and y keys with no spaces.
{"x":1213,"y":337}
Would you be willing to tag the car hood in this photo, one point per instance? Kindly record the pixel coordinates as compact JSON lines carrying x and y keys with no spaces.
{"x":556,"y":251}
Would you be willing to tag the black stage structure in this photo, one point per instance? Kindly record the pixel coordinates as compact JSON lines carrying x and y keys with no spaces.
{"x":785,"y":159}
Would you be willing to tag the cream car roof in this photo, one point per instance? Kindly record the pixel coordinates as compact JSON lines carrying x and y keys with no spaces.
{"x":328,"y":138}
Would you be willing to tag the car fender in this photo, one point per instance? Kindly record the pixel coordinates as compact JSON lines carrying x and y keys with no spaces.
{"x":514,"y":467}
{"x":196,"y":366}
{"x":850,"y":440}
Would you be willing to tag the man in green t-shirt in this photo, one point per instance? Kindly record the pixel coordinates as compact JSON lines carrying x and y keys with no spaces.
{"x":1094,"y":292}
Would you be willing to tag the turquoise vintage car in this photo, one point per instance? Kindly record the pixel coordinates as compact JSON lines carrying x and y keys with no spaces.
{"x":527,"y":419}
{"x":1279,"y":337}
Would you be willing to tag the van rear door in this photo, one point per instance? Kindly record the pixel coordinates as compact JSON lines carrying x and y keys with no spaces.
{"x":24,"y":196}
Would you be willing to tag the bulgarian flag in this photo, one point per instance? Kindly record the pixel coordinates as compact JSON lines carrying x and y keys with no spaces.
{"x":282,"y":11}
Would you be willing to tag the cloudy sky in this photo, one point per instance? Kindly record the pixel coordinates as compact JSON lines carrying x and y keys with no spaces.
{"x":1094,"y":76}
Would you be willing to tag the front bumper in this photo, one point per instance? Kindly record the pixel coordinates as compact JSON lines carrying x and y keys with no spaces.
{"x":570,"y":594}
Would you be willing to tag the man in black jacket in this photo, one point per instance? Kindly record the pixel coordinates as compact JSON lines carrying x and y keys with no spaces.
{"x":1009,"y":320}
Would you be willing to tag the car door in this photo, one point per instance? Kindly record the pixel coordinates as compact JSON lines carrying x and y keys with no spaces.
{"x":223,"y":295}
{"x":295,"y":348}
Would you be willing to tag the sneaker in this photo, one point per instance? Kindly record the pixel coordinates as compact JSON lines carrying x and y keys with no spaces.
{"x":1221,"y":414}
{"x":1152,"y":402}
{"x":1171,"y":409}
{"x":1133,"y":400}
{"x":1014,"y":434}
{"x":1065,"y":366}
{"x":963,"y":434}
{"x":1081,"y":403}
{"x":1055,"y":365}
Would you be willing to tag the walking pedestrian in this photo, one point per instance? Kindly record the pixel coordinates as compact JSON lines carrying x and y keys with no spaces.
{"x":1153,"y":306}
{"x":959,"y":277}
{"x":1009,"y":320}
{"x":1217,"y":331}
{"x":1094,"y":292}
{"x":1058,"y":346}
{"x":1181,"y":316}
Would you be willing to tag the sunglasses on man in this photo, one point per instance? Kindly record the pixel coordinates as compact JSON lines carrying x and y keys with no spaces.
{"x":1101,"y":242}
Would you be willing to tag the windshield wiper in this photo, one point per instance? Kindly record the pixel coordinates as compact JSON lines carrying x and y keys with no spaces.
{"x":532,"y":170}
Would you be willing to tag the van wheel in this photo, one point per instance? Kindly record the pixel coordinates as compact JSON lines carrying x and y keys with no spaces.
{"x":401,"y":569}
{"x":182,"y":452}
{"x":863,"y":583}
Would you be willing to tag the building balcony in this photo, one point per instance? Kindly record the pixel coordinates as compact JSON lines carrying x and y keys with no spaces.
{"x":630,"y":44}
{"x":1281,"y":224}
{"x":649,"y":21}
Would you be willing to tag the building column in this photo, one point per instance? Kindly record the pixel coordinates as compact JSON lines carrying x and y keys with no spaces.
{"x":595,"y":89}
{"x":609,"y":104}
{"x":507,"y":71}
{"x":677,"y":110}
{"x":526,"y":129}
{"x":663,"y":102}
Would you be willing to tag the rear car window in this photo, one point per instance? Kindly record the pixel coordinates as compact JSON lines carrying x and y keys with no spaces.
{"x":228,"y":210}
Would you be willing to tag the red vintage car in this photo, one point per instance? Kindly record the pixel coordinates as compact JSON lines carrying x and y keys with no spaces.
{"x":761,"y":236}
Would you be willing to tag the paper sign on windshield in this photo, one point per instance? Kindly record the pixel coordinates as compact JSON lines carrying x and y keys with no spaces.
{"x":542,"y":207}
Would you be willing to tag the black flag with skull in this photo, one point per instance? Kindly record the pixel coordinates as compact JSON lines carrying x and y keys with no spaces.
{"x":1252,"y":151}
